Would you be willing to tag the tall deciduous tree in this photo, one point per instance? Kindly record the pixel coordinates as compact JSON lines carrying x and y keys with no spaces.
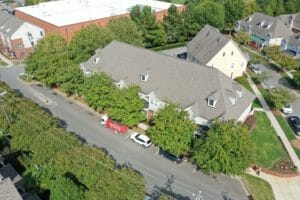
{"x":127,"y":106}
{"x":97,"y":90}
{"x":153,"y":31}
{"x":234,"y":10}
{"x":87,"y":40}
{"x":125,"y":30}
{"x":64,"y":188}
{"x":212,"y":13}
{"x":226,"y":149}
{"x":172,"y":130}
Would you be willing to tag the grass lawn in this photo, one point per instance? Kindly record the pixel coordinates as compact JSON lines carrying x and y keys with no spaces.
{"x":288,"y":131}
{"x":178,"y":1}
{"x":259,"y":188}
{"x":267,"y":147}
{"x":2,"y":63}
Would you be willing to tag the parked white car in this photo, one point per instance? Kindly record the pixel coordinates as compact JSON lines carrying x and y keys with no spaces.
{"x":287,"y":109}
{"x":103,"y":120}
{"x":141,"y":139}
{"x":256,"y":69}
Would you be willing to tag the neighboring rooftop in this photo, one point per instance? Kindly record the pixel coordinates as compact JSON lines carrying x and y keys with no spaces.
{"x":264,"y":25}
{"x":293,"y":41}
{"x":66,"y":12}
{"x":9,"y":24}
{"x":172,"y":80}
{"x":206,"y":44}
{"x":8,"y":191}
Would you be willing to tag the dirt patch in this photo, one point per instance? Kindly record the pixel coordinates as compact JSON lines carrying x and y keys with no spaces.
{"x":296,"y":143}
{"x":284,"y":167}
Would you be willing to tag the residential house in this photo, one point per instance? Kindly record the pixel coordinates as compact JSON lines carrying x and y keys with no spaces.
{"x":292,"y":21}
{"x":264,"y":29}
{"x":210,"y":47}
{"x":204,"y":92}
{"x":17,"y":37}
{"x":292,"y":45}
{"x":12,"y":185}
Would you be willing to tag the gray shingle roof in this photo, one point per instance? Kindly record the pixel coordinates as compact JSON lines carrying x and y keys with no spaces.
{"x":9,"y":24}
{"x":8,"y":191}
{"x":296,"y":21}
{"x":263,"y":25}
{"x":171,"y":79}
{"x":294,"y":40}
{"x":206,"y":44}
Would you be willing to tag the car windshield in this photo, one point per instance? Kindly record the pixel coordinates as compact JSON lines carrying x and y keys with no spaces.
{"x":149,"y":141}
{"x":297,"y":122}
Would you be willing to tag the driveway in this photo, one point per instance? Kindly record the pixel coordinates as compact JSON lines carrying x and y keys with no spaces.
{"x":160,"y":174}
{"x":275,"y":80}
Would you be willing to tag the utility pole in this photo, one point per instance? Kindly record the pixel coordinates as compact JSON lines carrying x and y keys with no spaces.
{"x":3,"y":108}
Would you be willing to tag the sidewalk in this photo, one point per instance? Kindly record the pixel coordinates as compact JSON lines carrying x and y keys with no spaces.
{"x":280,"y":133}
{"x":9,"y":63}
{"x":283,"y":188}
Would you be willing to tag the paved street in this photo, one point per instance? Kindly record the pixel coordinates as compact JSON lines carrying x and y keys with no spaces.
{"x":158,"y":171}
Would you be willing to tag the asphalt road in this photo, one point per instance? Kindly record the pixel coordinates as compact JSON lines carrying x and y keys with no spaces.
{"x":160,"y":173}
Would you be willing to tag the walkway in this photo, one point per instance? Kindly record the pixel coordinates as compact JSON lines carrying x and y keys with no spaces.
{"x":5,"y":60}
{"x":280,"y":133}
{"x":283,"y":188}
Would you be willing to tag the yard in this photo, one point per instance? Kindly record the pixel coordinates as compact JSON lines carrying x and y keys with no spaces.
{"x":288,"y":131}
{"x":268,"y":148}
{"x":2,"y":63}
{"x":259,"y":188}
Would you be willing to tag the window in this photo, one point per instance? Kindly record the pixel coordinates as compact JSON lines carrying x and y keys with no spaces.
{"x":232,"y":65}
{"x":232,"y":53}
{"x":30,"y":36}
{"x":96,"y":60}
{"x":223,"y":54}
{"x":32,"y":43}
{"x":211,"y":102}
{"x":242,"y":64}
{"x":41,"y":33}
{"x":144,"y":77}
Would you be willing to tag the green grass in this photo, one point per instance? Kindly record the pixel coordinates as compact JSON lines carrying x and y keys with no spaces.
{"x":267,"y":146}
{"x":259,"y":188}
{"x":256,"y":103}
{"x":2,"y":63}
{"x":288,"y":131}
{"x":178,"y":1}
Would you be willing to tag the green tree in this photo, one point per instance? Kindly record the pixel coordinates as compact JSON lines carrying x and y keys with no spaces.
{"x":125,"y":30}
{"x":251,"y":7}
{"x":242,"y":38}
{"x":211,"y":13}
{"x":87,"y":40}
{"x":227,"y":149}
{"x":280,"y":97}
{"x":153,"y":31}
{"x":271,"y":7}
{"x":172,"y":130}
{"x":127,"y":106}
{"x":173,"y":23}
{"x":64,"y":188}
{"x":97,"y":91}
{"x":259,"y":78}
{"x":49,"y":57}
{"x":234,"y":10}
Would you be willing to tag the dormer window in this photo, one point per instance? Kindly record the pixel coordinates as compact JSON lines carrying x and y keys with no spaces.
{"x":249,"y":19}
{"x":96,"y":60}
{"x":211,"y":102}
{"x":144,"y":77}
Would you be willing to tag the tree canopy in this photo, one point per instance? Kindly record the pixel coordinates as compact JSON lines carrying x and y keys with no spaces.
{"x":172,"y":130}
{"x":226,"y":149}
{"x":125,"y":30}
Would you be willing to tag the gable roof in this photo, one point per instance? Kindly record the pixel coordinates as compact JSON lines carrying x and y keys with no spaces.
{"x":9,"y":24}
{"x":171,"y":79}
{"x":294,"y":40}
{"x":264,"y":25}
{"x":206,"y":44}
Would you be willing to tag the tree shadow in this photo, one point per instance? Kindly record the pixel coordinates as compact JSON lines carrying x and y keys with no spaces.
{"x":13,"y":159}
{"x":75,"y":180}
{"x":167,"y":190}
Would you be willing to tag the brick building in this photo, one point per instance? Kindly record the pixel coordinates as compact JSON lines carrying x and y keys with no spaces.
{"x":17,"y":37}
{"x":67,"y":17}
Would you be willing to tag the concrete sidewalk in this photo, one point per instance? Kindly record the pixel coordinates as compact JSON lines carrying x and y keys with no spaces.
{"x":9,"y":63}
{"x":280,"y":133}
{"x":283,"y":188}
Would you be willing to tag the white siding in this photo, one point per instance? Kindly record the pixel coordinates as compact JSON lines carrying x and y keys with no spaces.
{"x":275,"y":41}
{"x":23,"y":31}
{"x":233,"y":65}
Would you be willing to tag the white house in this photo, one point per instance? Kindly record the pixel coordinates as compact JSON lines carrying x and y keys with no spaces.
{"x":17,"y":37}
{"x":210,"y":47}
{"x":204,"y":92}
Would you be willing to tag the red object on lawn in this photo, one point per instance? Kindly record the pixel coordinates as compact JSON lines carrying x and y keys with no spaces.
{"x":120,"y":128}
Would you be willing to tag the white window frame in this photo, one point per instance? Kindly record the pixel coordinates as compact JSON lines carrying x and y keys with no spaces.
{"x":211,"y":103}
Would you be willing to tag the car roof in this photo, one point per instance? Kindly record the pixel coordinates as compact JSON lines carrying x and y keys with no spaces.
{"x":144,"y":137}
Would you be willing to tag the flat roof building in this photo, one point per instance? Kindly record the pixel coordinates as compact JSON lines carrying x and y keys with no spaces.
{"x":66,"y":16}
